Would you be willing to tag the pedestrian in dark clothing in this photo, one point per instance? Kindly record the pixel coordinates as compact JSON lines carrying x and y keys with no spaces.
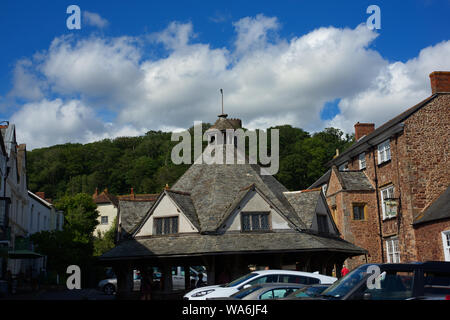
{"x":200,"y":282}
{"x":224,"y":278}
{"x":146,"y":286}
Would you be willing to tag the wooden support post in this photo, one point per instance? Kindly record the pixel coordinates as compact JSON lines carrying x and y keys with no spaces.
{"x":167,"y":275}
{"x":211,"y":271}
{"x":187,"y":277}
{"x":124,"y":282}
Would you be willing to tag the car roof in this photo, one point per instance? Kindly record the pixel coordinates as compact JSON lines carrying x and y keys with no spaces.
{"x":279,"y":284}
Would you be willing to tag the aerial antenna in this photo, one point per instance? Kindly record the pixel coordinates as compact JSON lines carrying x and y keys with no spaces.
{"x":222,"y":114}
{"x":221,"y":92}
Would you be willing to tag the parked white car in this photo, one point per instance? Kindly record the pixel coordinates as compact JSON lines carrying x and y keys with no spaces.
{"x":109,"y":286}
{"x":258,"y":277}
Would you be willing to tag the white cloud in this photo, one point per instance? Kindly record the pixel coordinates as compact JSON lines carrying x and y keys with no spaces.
{"x":267,"y":80}
{"x":252,"y":33}
{"x":50,"y":122}
{"x":397,"y":87}
{"x":25,"y":82}
{"x":94,"y":19}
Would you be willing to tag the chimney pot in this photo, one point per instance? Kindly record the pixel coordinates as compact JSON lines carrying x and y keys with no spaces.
{"x":440,"y":81}
{"x":363,"y":129}
{"x":41,"y":195}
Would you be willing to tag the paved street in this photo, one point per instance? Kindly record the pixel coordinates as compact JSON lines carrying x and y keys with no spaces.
{"x":83,"y":294}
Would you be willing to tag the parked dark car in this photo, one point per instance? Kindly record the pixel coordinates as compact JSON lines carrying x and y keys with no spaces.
{"x":311,"y":291}
{"x":400,"y":281}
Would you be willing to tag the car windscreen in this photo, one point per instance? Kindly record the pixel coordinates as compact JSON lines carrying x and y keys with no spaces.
{"x":245,"y":292}
{"x":238,"y":281}
{"x":343,"y":286}
{"x":308,"y":292}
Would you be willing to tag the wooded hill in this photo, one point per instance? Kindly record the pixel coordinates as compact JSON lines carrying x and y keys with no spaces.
{"x":144,"y":163}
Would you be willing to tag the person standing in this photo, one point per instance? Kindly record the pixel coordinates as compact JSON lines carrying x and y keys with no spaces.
{"x":200,"y":282}
{"x":146,"y":286}
{"x":344,"y":271}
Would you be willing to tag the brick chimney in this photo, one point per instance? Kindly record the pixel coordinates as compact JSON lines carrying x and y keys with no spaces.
{"x":41,"y":195}
{"x":363,"y":129}
{"x":440,"y":81}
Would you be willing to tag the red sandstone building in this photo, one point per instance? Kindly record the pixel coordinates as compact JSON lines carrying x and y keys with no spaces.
{"x":389,"y":192}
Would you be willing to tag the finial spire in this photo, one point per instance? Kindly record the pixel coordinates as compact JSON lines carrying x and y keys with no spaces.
{"x":222,"y":115}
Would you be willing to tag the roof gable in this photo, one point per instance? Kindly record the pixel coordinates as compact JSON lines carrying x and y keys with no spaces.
{"x":106,"y":197}
{"x":355,"y":181}
{"x":246,"y":201}
{"x":214,"y":189}
{"x":304,"y":203}
{"x":346,"y":181}
{"x":308,"y":204}
{"x":131,"y":214}
{"x":169,"y":203}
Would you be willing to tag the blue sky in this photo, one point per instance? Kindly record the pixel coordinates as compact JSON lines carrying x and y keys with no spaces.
{"x":192,"y":48}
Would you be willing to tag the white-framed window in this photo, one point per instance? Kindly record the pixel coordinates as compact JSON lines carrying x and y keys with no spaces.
{"x":384,"y":151}
{"x":104,"y":220}
{"x":362,"y":161}
{"x":388,"y":203}
{"x":324,"y":188}
{"x":254,"y":221}
{"x":393,"y":250}
{"x":446,"y":244}
{"x":343,"y":167}
{"x":166,"y":225}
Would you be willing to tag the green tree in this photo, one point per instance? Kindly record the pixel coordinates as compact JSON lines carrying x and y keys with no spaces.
{"x":80,"y":213}
{"x":105,"y":242}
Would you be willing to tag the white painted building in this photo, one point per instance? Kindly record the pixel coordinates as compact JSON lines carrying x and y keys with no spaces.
{"x":16,"y":191}
{"x":22,"y":212}
{"x":4,"y":208}
{"x":107,"y":206}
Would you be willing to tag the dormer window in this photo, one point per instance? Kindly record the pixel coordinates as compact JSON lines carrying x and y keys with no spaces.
{"x":322,"y":223}
{"x":255,"y":221}
{"x":384,"y":151}
{"x":362,"y":161}
{"x":166,"y":225}
{"x":343,"y":167}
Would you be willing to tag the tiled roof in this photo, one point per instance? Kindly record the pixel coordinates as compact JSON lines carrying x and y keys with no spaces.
{"x":439,"y":209}
{"x":192,"y":244}
{"x":223,"y":123}
{"x":322,"y":180}
{"x":132,"y":212}
{"x":214,"y":189}
{"x":139,"y":197}
{"x":184,"y":202}
{"x":207,"y":194}
{"x":386,"y":126}
{"x":305,"y":204}
{"x":105,"y":197}
{"x":355,"y":181}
